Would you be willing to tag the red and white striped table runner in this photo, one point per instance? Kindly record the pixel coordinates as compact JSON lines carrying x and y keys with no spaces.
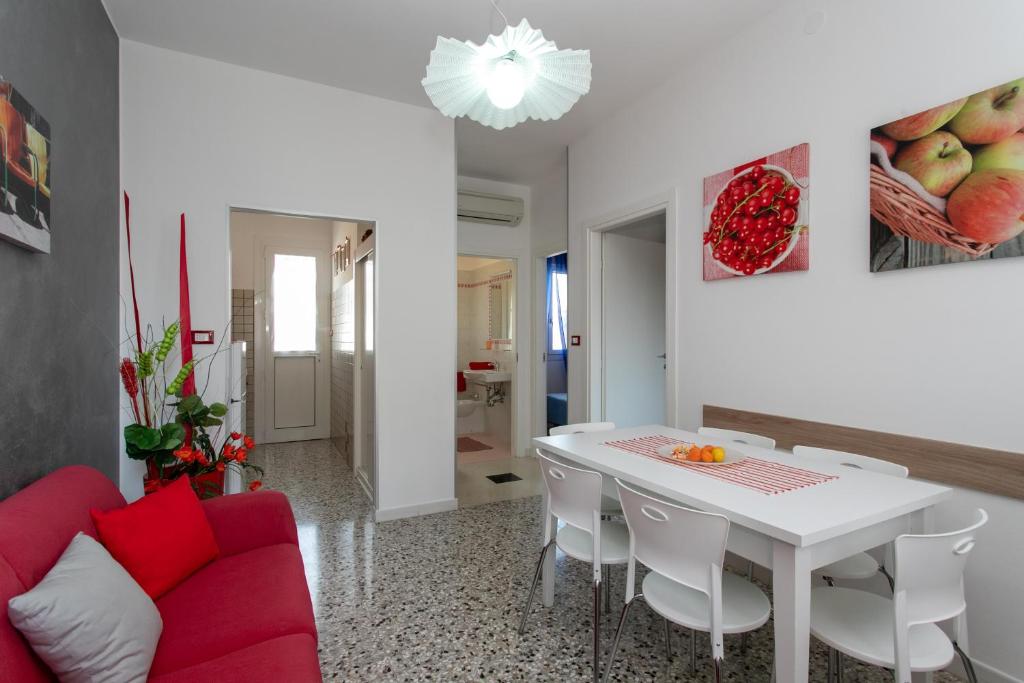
{"x":765,"y":476}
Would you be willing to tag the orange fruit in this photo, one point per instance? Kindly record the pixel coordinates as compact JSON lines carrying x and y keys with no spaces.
{"x":707,"y":454}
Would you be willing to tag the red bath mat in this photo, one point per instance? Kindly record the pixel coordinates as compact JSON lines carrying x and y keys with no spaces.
{"x":467,"y":445}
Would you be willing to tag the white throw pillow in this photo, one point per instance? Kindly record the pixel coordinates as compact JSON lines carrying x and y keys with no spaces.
{"x":88,"y":619}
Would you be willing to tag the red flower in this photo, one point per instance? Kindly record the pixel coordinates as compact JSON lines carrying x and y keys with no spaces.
{"x":229,"y":452}
{"x":220,"y":465}
{"x":236,"y":436}
{"x":201,"y":458}
{"x":241,"y":454}
{"x":255,"y":485}
{"x":249,"y":443}
{"x":185,"y":454}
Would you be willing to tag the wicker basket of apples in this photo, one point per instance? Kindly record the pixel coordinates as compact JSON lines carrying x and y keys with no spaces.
{"x":954,"y":175}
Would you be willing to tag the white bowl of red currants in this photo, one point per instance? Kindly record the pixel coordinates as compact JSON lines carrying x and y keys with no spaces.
{"x":756,"y":220}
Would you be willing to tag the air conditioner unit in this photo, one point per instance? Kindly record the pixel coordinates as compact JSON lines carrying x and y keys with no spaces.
{"x":494,"y":209}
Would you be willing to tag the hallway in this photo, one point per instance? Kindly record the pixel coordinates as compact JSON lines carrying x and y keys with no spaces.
{"x":439,"y":597}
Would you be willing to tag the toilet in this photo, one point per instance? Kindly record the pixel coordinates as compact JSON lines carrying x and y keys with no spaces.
{"x":470,"y":416}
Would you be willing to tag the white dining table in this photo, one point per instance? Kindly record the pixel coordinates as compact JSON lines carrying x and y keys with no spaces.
{"x":791,"y":533}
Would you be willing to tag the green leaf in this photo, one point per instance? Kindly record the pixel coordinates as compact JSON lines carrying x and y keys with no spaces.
{"x":209,"y":422}
{"x":173,"y":435}
{"x":218,"y":409}
{"x":141,"y":437}
{"x":190,"y":404}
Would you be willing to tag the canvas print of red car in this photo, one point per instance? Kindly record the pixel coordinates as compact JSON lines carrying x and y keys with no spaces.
{"x":25,"y":175}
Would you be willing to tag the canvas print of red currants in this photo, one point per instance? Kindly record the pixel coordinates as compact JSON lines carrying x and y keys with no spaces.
{"x":755,"y":216}
{"x":947,"y":184}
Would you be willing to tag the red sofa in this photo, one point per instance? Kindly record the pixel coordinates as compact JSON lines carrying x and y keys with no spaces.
{"x":246,"y":616}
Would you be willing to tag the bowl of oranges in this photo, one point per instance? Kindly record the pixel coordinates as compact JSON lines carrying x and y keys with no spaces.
{"x":701,"y":454}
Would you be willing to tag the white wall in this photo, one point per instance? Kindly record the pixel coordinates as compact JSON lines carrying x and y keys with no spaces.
{"x":248,"y":229}
{"x":479,"y":239}
{"x":200,"y":136}
{"x":934,"y":352}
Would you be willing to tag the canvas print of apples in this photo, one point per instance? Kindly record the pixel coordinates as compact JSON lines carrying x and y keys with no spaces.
{"x":756,"y":216}
{"x":947,"y":184}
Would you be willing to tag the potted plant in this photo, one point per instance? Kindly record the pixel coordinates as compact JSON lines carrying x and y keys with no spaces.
{"x":174,"y":434}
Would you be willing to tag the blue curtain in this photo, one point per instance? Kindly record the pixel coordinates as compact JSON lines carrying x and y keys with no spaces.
{"x":557,"y":264}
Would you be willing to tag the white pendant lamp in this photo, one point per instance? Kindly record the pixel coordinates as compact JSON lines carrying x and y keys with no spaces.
{"x":512,"y":77}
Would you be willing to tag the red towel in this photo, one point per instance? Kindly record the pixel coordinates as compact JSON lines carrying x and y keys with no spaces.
{"x":460,"y":382}
{"x":481,"y":365}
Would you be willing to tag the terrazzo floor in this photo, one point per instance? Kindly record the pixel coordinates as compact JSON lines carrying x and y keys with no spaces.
{"x":439,"y":598}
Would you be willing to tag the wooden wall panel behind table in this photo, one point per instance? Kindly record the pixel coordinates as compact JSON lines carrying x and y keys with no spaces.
{"x":981,"y":469}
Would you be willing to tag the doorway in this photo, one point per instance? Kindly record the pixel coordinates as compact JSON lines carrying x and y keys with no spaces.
{"x":633,"y":322}
{"x":304,"y":333}
{"x":554,"y":376}
{"x":489,"y":385}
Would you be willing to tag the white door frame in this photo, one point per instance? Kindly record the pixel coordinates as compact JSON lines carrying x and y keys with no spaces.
{"x":595,"y":367}
{"x":540,"y":343}
{"x":522,"y":376}
{"x":327,"y":214}
{"x":371,"y":488}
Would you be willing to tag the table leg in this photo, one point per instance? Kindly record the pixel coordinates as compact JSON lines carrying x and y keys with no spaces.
{"x":548,"y":578}
{"x":791,"y":582}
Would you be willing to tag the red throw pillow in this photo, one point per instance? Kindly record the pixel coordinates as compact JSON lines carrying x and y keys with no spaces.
{"x":161,"y":539}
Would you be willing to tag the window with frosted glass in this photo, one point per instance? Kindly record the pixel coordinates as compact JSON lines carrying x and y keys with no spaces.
{"x":294,"y":291}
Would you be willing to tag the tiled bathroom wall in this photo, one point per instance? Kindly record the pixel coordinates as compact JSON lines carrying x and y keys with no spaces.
{"x":343,"y":349}
{"x":242,"y":329}
{"x":343,"y":354}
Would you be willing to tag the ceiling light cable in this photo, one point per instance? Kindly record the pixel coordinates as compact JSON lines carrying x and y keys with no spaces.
{"x":498,"y":10}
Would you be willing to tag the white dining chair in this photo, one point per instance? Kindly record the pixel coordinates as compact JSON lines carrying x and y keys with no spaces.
{"x":684,"y":549}
{"x":903,"y":633}
{"x":745,"y":438}
{"x":574,"y":497}
{"x":862,"y":565}
{"x":738,"y":437}
{"x":609,"y":505}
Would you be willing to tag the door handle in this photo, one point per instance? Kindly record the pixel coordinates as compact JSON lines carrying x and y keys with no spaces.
{"x":662,"y":356}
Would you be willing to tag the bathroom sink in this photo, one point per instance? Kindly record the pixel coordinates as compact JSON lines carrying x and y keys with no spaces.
{"x":487,"y":376}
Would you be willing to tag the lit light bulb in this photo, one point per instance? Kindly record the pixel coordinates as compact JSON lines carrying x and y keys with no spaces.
{"x":507,"y":84}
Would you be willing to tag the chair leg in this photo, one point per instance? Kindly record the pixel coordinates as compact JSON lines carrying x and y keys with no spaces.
{"x":968,"y":666}
{"x":718,"y":671}
{"x":618,"y":635}
{"x":597,"y":630}
{"x":533,"y":588}
{"x":840,"y":666}
{"x":750,"y":570}
{"x":668,"y":641}
{"x":605,"y":575}
{"x":693,"y":651}
{"x":888,"y":577}
{"x":744,"y":638}
{"x":831,"y":673}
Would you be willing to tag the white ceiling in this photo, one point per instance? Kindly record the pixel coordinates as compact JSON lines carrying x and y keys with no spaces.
{"x":381,"y":47}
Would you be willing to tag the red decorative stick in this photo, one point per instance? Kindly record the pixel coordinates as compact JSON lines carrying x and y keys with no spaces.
{"x":189,"y":386}
{"x":135,"y":307}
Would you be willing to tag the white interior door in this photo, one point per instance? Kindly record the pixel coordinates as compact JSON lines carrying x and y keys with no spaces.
{"x":297,"y":365}
{"x":633,"y":315}
{"x":365,"y":415}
